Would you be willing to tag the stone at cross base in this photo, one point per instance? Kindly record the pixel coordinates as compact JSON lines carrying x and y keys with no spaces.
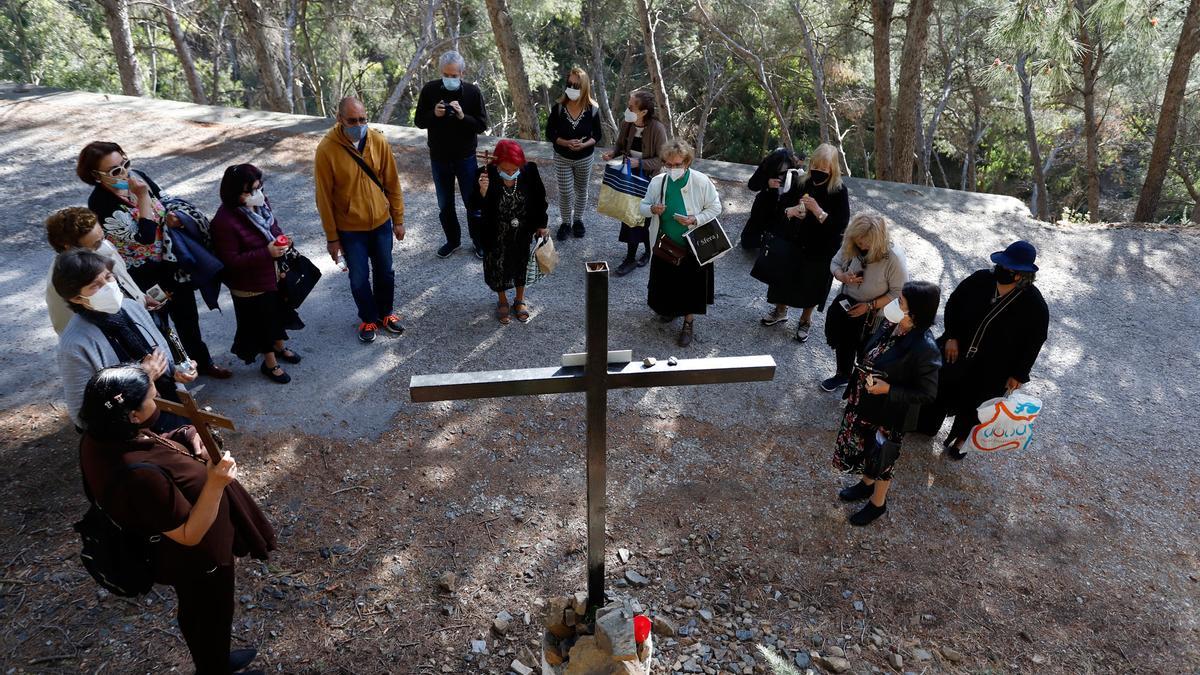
{"x":571,"y":646}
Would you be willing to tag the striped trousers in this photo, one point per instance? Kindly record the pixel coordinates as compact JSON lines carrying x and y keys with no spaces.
{"x":573,"y":178}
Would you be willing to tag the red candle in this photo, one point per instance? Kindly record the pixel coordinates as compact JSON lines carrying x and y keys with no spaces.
{"x":641,"y":628}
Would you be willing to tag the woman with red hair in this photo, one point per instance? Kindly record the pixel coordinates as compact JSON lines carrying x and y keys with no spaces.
{"x":511,"y":201}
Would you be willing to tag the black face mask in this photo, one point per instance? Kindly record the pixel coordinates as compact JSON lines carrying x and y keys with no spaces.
{"x":1004,"y":276}
{"x":819,"y":177}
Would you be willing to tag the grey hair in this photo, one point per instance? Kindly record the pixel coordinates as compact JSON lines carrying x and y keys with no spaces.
{"x":450,"y":57}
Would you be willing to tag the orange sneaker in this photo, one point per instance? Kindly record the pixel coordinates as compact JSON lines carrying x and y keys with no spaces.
{"x":392,"y":324}
{"x":366,"y":332}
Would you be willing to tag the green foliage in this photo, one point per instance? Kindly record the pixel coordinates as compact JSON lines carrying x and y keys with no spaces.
{"x":49,"y":43}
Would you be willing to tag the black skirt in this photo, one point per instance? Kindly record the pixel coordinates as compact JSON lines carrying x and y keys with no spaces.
{"x":688,"y":288}
{"x":261,"y":320}
{"x":808,"y":287}
{"x":635,"y":235}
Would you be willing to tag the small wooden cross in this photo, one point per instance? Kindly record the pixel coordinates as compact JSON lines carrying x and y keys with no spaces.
{"x":199,"y":417}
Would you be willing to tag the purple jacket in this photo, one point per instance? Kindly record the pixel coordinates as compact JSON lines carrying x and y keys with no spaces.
{"x":243,"y":248}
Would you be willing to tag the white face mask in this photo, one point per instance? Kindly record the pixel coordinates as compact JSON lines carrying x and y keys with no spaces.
{"x":107,"y":299}
{"x":677,"y":173}
{"x":630,"y":116}
{"x":573,"y":94}
{"x":107,"y":249}
{"x":892,"y":311}
{"x":256,"y":198}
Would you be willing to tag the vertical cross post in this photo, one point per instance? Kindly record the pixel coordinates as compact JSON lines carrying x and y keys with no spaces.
{"x":597,"y":430}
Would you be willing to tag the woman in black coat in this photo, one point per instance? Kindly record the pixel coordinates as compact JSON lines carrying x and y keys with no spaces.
{"x":996,"y":323}
{"x":767,"y":180}
{"x":512,"y":202}
{"x":898,"y":374}
{"x":812,"y":217}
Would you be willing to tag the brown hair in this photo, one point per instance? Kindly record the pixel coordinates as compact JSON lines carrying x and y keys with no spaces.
{"x":645,"y":101}
{"x":90,"y":156}
{"x":65,"y":227}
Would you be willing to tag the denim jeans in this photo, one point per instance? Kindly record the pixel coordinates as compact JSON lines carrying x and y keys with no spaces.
{"x":369,"y":262}
{"x":444,"y":174}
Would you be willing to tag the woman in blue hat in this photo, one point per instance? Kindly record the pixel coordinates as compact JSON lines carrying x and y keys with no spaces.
{"x":996,"y":322}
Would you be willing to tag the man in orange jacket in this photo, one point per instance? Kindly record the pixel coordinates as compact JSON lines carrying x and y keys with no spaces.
{"x":362,"y":208}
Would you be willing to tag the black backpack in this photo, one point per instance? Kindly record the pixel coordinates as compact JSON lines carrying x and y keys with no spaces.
{"x":119,"y":559}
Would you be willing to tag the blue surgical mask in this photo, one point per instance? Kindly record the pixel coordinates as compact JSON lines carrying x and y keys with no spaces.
{"x":452,"y":83}
{"x":356,"y":133}
{"x":512,"y":176}
{"x":121,"y":185}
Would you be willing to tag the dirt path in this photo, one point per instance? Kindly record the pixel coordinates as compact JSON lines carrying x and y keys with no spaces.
{"x":1077,"y":556}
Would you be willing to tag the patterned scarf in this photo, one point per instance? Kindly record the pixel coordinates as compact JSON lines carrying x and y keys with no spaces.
{"x":262,"y":218}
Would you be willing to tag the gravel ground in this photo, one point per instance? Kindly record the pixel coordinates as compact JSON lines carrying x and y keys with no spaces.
{"x":1104,"y":502}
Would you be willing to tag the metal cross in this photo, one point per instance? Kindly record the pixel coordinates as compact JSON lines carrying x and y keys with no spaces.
{"x":199,"y":417}
{"x":602,"y":371}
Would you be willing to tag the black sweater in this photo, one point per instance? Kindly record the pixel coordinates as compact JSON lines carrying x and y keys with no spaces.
{"x":558,"y":125}
{"x":816,"y":239}
{"x":449,"y":137}
{"x":910,"y":368}
{"x":1012,"y":342}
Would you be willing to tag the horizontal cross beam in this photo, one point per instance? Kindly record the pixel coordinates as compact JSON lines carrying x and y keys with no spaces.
{"x":534,"y":381}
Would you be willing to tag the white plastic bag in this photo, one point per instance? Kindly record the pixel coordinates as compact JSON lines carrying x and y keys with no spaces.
{"x":1006,"y":423}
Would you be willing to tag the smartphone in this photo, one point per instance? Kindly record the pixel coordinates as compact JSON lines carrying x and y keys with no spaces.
{"x":157,"y":294}
{"x":845,"y":303}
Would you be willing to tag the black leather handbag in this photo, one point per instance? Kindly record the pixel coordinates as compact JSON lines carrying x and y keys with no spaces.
{"x":776,"y":261}
{"x":879,"y":457}
{"x":300,"y":276}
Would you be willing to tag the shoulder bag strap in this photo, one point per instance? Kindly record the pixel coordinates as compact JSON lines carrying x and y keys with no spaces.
{"x":362,"y":164}
{"x":994,"y":312}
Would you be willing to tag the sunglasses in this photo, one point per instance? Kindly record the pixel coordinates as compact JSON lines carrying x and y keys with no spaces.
{"x":118,"y":170}
{"x":356,"y":120}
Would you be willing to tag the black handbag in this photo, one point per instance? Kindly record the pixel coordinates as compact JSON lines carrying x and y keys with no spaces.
{"x":300,"y":276}
{"x":776,"y":261}
{"x":879,"y":457}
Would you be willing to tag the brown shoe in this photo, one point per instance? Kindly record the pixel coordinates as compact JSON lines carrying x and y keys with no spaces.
{"x":686,"y":334}
{"x":216,"y":372}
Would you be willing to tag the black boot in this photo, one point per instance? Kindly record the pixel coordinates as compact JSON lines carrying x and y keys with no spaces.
{"x":953,"y":449}
{"x":626,"y":267}
{"x":564,"y":231}
{"x":577,"y":229}
{"x":868,"y":514}
{"x":856,"y":493}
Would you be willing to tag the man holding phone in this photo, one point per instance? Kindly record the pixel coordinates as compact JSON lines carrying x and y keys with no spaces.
{"x":453,"y":113}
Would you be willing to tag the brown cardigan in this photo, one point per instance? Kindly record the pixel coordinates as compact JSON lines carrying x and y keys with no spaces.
{"x":653,"y":138}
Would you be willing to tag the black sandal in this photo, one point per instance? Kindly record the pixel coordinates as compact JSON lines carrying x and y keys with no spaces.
{"x":522,"y":311}
{"x":288,"y":355}
{"x":281,"y":378}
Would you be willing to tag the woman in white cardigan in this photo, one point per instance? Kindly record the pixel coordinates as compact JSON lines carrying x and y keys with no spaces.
{"x":678,"y":200}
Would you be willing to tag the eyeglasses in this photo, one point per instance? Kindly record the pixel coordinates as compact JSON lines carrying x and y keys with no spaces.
{"x":675,"y":165}
{"x":356,"y":120}
{"x":116,"y":171}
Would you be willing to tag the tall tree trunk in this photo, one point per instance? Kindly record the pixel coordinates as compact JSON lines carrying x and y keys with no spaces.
{"x":264,"y":38}
{"x":414,"y":64}
{"x":881,"y":48}
{"x":904,"y":140}
{"x":947,"y":85}
{"x":652,"y":66}
{"x":1041,"y":201}
{"x":514,"y":69}
{"x":1090,"y":57}
{"x":816,"y":65}
{"x":214,"y":93}
{"x":184,"y":52}
{"x":116,"y":17}
{"x":756,"y":65}
{"x":1168,"y":116}
{"x":150,"y":40}
{"x":598,"y":69}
